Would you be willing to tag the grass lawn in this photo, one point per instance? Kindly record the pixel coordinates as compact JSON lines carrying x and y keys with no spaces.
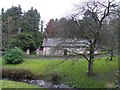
{"x":74,"y":75}
{"x":0,"y":62}
{"x":13,"y":84}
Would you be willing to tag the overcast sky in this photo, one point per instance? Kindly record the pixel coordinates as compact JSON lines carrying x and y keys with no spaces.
{"x":47,"y":8}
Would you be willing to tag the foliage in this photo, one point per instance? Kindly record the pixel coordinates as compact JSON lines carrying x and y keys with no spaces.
{"x":15,"y":21}
{"x":74,"y":75}
{"x":23,"y":41}
{"x":38,"y":38}
{"x":30,"y":25}
{"x":57,"y":28}
{"x":17,"y":74}
{"x":14,"y":56}
{"x":50,"y":30}
{"x":33,"y":18}
{"x":55,"y":77}
{"x":11,"y":22}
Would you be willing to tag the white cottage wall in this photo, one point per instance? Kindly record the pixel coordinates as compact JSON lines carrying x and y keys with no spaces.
{"x":46,"y":50}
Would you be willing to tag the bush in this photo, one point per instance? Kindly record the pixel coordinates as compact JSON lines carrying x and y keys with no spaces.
{"x":55,"y":78}
{"x":14,"y":56}
{"x":18,"y":74}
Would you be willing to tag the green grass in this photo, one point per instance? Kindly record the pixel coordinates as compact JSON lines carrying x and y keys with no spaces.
{"x":13,"y":84}
{"x":74,"y":75}
{"x":0,"y":62}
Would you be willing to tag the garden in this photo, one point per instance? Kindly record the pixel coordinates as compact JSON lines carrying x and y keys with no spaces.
{"x":57,"y":73}
{"x":88,"y":38}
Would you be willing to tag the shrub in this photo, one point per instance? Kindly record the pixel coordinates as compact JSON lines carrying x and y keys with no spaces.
{"x":14,"y":56}
{"x":55,"y":78}
{"x":18,"y":74}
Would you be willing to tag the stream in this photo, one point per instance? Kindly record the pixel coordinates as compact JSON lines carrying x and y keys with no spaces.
{"x":43,"y":84}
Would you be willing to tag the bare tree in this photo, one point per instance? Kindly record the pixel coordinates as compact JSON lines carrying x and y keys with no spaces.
{"x":98,"y":11}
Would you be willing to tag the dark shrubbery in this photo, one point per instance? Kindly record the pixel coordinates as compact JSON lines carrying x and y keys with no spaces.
{"x":24,"y":41}
{"x":14,"y":56}
{"x":55,"y":78}
{"x":18,"y":74}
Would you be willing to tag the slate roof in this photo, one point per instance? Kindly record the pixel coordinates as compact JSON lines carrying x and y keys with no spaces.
{"x":52,"y":42}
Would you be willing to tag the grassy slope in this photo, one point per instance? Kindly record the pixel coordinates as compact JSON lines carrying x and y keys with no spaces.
{"x":13,"y":84}
{"x":74,"y":75}
{"x":0,"y":62}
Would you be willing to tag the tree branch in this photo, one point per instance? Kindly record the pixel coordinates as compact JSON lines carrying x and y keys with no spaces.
{"x":80,"y":54}
{"x":75,"y":61}
{"x":70,"y":56}
{"x":80,"y":27}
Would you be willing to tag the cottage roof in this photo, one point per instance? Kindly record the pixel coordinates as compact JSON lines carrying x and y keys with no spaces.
{"x":47,"y":42}
{"x":52,"y":42}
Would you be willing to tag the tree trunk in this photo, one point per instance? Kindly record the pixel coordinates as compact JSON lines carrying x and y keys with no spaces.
{"x":111,"y":55}
{"x":90,"y":68}
{"x":91,"y":59}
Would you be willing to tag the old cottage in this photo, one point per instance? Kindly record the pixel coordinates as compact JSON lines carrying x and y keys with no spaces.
{"x":63,"y":46}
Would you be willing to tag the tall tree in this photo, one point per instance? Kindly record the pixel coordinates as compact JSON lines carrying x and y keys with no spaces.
{"x":30,"y":24}
{"x":33,"y":18}
{"x":98,"y":12}
{"x":56,"y":27}
{"x":50,"y":30}
{"x":94,"y":15}
{"x":10,"y":20}
{"x":16,"y":22}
